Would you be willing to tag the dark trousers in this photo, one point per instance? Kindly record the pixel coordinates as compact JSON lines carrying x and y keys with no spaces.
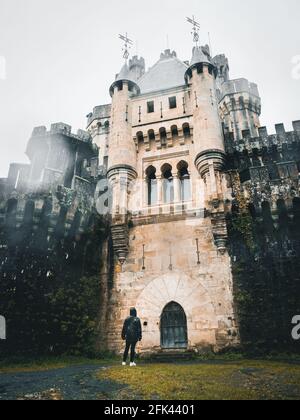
{"x":130,"y":345}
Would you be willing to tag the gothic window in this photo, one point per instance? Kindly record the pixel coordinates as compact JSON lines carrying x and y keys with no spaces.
{"x":150,"y":107}
{"x":168,"y":184}
{"x":152,"y":186}
{"x":185,"y":181}
{"x":173,"y":102}
{"x":186,"y":130}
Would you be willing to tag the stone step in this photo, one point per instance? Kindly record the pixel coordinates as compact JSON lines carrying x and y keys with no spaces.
{"x":172,"y":356}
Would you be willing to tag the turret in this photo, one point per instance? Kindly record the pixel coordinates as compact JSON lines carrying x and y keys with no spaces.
{"x":240,"y":108}
{"x":122,"y":162}
{"x":208,"y":137}
{"x":122,"y":150}
{"x":222,"y":64}
{"x":137,"y":67}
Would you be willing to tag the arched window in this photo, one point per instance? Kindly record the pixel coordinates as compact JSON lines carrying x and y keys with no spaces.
{"x":163,"y":136}
{"x":168,"y":183}
{"x":174,"y":131}
{"x":185,"y":181}
{"x":233,"y":103}
{"x":151,"y":135}
{"x":152,"y":186}
{"x":140,"y":137}
{"x":186,"y":130}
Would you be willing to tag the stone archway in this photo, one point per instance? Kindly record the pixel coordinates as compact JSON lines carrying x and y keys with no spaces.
{"x":190,"y":294}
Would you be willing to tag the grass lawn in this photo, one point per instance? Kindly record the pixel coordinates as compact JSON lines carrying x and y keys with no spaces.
{"x":239,"y":380}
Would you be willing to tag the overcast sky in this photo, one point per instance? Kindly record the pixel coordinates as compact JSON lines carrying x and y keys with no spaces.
{"x":62,"y":55}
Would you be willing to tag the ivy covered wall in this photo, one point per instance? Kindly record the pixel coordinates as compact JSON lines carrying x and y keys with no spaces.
{"x":50,"y":284}
{"x":264,"y":244}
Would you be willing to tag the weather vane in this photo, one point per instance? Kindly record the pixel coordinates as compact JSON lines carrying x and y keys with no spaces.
{"x":196,"y":28}
{"x":127,"y":44}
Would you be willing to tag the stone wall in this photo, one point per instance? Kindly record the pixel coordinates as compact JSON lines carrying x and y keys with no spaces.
{"x":50,"y":274}
{"x":163,"y":266}
{"x":264,"y":235}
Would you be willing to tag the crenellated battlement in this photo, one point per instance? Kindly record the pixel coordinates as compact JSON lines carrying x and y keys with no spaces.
{"x":101,"y":113}
{"x":267,"y":167}
{"x":61,"y":129}
{"x":63,"y":213}
{"x":265,"y":141}
{"x":240,"y":86}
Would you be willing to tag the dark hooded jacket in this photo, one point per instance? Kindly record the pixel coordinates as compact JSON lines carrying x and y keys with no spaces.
{"x":132,"y":329}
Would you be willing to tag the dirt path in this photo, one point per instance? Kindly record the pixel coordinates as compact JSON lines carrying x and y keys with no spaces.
{"x":72,"y":383}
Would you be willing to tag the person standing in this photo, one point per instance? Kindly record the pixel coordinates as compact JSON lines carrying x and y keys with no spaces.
{"x":132,"y":334}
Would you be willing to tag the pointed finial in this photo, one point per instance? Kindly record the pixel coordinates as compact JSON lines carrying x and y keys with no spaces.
{"x":127,"y":44}
{"x":196,"y":28}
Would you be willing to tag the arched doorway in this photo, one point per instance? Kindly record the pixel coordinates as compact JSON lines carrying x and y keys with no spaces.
{"x":174,"y":327}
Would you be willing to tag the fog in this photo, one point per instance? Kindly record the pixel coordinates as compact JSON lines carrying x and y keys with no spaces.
{"x":59,"y":57}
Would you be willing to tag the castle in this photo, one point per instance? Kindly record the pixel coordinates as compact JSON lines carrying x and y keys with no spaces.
{"x":181,"y":148}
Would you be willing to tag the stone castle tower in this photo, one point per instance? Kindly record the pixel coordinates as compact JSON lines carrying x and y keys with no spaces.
{"x":162,"y":143}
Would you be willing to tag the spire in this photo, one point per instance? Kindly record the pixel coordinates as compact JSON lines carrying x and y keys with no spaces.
{"x":125,"y":75}
{"x":201,"y":55}
{"x":127,"y":44}
{"x":196,"y":29}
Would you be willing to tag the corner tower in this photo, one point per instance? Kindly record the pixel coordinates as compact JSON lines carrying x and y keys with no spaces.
{"x":122,"y":163}
{"x":208,"y":137}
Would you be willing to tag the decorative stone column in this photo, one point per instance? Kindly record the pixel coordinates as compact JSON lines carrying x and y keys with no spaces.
{"x":146,"y":192}
{"x":177,"y":188}
{"x":159,"y":190}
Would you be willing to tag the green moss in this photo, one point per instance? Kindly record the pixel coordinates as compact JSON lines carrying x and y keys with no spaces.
{"x":243,"y":224}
